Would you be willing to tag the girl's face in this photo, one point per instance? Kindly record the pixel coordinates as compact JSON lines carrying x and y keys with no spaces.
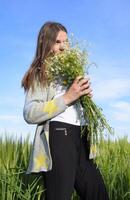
{"x":61,"y":42}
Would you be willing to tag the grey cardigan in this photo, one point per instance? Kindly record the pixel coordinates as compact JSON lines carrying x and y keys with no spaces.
{"x":40,"y":106}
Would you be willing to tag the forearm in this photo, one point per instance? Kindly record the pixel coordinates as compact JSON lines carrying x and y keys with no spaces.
{"x":36,"y":112}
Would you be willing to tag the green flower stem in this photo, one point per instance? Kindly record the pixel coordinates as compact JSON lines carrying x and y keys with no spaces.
{"x":97,"y":121}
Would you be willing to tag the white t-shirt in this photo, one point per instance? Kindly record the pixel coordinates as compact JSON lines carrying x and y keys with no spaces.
{"x":73,"y":113}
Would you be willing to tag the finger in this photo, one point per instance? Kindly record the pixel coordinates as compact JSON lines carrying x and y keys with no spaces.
{"x":85,"y":86}
{"x":78,"y":78}
{"x":86,"y":91}
{"x":90,"y":94}
{"x":83,"y":81}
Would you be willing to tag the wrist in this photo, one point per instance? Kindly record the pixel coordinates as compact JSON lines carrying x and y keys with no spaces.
{"x":67,"y":99}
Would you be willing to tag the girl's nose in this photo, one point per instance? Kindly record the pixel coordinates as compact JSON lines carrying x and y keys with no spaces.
{"x":62,"y":46}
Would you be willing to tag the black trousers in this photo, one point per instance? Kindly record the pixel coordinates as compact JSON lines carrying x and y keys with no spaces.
{"x":71,"y":168}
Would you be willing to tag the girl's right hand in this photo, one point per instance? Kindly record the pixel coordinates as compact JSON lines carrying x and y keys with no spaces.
{"x":80,"y":87}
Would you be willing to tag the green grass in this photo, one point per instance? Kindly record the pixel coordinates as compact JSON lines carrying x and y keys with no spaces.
{"x":115,"y":167}
{"x":114,"y":164}
{"x":14,"y":183}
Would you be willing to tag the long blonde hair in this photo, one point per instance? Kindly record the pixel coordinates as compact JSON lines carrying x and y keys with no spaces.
{"x":46,"y":39}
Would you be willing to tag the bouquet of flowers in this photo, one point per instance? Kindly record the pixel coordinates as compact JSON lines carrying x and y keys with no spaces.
{"x":63,"y":68}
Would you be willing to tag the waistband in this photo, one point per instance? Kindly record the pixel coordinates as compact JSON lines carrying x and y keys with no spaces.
{"x":64,"y":124}
{"x":58,"y":124}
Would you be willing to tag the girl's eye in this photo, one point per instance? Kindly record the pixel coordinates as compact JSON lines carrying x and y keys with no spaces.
{"x":57,"y":41}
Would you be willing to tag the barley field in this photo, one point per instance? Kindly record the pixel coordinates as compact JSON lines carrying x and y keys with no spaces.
{"x":114,"y":164}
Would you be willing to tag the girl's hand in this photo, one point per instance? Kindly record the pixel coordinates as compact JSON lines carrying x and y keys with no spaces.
{"x":80,"y":87}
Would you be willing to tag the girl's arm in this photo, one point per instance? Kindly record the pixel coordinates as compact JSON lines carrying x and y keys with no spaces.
{"x":38,"y":109}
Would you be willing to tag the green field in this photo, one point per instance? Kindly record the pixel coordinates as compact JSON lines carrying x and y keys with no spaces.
{"x":114,"y":164}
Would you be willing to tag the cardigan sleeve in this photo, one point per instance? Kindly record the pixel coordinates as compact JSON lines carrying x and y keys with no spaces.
{"x":38,"y":108}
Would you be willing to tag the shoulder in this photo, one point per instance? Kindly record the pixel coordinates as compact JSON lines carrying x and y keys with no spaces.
{"x":42,"y":92}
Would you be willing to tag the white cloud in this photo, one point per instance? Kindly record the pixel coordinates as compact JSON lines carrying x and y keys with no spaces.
{"x":11,"y":118}
{"x":111,"y":89}
{"x":122,"y":131}
{"x":122,"y":105}
{"x":17,"y":131}
{"x":121,"y":111}
{"x":122,"y":116}
{"x":12,"y":101}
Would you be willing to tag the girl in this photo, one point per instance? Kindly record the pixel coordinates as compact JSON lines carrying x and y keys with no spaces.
{"x":58,"y":150}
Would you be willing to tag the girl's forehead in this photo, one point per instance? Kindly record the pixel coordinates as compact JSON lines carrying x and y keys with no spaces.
{"x":61,"y":35}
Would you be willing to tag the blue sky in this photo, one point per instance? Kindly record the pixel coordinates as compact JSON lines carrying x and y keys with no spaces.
{"x":104,"y":24}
